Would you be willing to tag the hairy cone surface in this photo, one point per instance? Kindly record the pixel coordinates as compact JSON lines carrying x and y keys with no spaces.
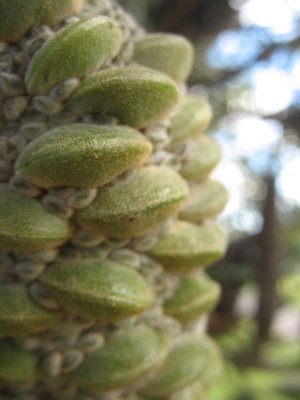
{"x":106,"y":208}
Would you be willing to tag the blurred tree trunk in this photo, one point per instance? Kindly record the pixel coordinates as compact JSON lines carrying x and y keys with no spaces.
{"x":268,"y":262}
{"x":193,"y":18}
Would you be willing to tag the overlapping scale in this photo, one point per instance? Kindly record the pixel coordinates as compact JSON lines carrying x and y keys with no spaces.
{"x":18,"y":16}
{"x":76,"y":51}
{"x":191,"y":119}
{"x":188,"y":246}
{"x":17,"y":365}
{"x":208,"y":376}
{"x":215,"y":364}
{"x":168,"y":53}
{"x":124,"y":359}
{"x":206,"y":199}
{"x":19,"y":315}
{"x":26,"y":226}
{"x":135,"y":95}
{"x":183,"y":366}
{"x":103,"y":291}
{"x":195,"y":391}
{"x":137,"y":205}
{"x":195,"y":296}
{"x":201,"y":157}
{"x":82,"y":155}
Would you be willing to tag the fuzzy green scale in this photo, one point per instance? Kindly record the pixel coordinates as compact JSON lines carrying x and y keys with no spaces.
{"x":102,"y":153}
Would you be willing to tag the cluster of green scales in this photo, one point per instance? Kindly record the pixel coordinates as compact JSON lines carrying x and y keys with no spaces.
{"x":105,"y":209}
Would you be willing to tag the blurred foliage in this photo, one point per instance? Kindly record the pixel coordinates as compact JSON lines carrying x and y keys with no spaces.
{"x":281,"y":354}
{"x":232,"y":273}
{"x":239,"y":338}
{"x":255,"y":384}
{"x":289,"y":289}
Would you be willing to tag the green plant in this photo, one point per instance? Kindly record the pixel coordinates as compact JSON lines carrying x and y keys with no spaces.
{"x":101,"y":145}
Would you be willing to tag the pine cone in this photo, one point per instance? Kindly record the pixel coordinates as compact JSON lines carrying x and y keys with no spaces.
{"x":106,"y":208}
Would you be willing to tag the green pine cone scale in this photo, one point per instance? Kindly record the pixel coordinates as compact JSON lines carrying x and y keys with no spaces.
{"x":76,"y":51}
{"x":188,"y":246}
{"x":82,"y":155}
{"x":124,"y":359}
{"x":104,"y":292}
{"x":171,"y":54}
{"x":17,"y":364}
{"x":135,"y":95}
{"x":19,"y":315}
{"x":183,"y":366}
{"x":137,"y":205}
{"x":26,"y":226}
{"x":195,"y":296}
{"x":17,"y":16}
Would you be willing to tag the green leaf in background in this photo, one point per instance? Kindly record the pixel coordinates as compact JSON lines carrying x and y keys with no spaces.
{"x":289,"y":289}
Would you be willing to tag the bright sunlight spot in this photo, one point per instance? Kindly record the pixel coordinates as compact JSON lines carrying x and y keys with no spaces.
{"x":288,"y":181}
{"x":275,"y":15}
{"x":273,"y":90}
{"x":232,"y":49}
{"x":232,"y":176}
{"x":295,"y":72}
{"x":253,"y":133}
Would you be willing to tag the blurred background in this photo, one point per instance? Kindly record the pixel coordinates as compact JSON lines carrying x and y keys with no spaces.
{"x":247,"y":62}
